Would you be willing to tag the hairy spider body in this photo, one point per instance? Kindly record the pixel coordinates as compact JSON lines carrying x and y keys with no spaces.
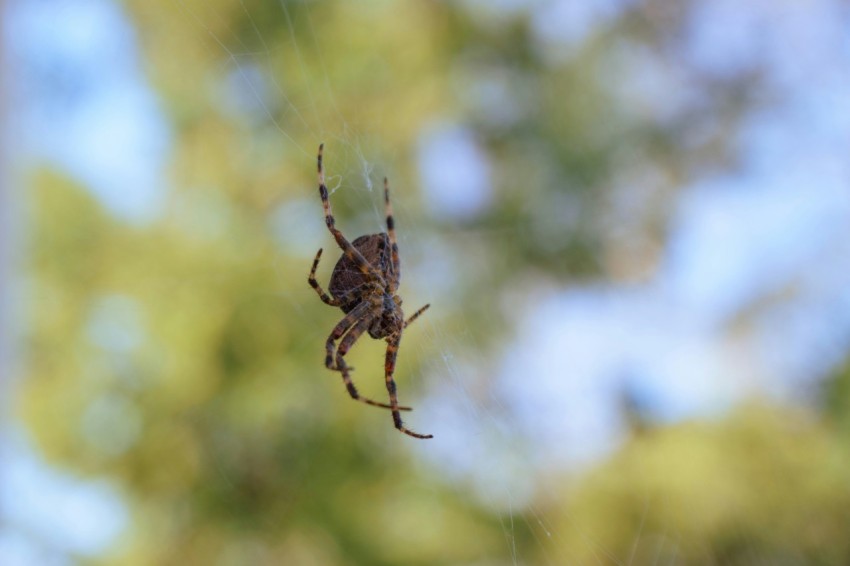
{"x":363,"y":284}
{"x":346,"y":275}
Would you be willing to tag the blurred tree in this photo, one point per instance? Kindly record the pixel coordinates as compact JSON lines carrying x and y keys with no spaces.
{"x":835,"y":398}
{"x":763,"y":486}
{"x":183,"y":358}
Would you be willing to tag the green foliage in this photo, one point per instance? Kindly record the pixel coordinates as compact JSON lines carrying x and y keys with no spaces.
{"x":762,"y":486}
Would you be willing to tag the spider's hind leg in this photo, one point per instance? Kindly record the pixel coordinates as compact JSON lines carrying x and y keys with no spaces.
{"x":389,"y":370}
{"x":359,"y":319}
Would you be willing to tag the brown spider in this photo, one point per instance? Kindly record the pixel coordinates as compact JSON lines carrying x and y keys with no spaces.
{"x":363,"y":284}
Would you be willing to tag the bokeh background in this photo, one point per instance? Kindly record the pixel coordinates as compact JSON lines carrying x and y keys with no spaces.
{"x":631,"y":218}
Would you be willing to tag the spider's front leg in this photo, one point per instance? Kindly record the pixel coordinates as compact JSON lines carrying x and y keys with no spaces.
{"x":311,"y":279}
{"x":327,"y":299}
{"x":353,"y":253}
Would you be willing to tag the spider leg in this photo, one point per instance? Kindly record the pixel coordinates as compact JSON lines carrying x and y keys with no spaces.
{"x":315,"y":284}
{"x":350,"y":251}
{"x":396,"y":264}
{"x":327,"y":299}
{"x":389,"y":370}
{"x":347,"y":342}
{"x":415,"y":315}
{"x":341,"y":328}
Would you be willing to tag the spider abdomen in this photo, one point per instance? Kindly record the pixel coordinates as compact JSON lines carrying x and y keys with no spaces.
{"x":347,"y":276}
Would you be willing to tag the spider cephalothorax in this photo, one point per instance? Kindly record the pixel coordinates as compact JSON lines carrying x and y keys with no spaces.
{"x":363,"y":284}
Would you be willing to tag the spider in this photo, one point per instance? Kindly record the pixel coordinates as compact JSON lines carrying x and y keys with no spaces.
{"x":363,"y":284}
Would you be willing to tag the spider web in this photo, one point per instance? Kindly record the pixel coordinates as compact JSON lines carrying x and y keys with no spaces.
{"x":475,"y":447}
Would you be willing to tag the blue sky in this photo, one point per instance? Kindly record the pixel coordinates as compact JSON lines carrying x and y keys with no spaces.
{"x":85,"y":104}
